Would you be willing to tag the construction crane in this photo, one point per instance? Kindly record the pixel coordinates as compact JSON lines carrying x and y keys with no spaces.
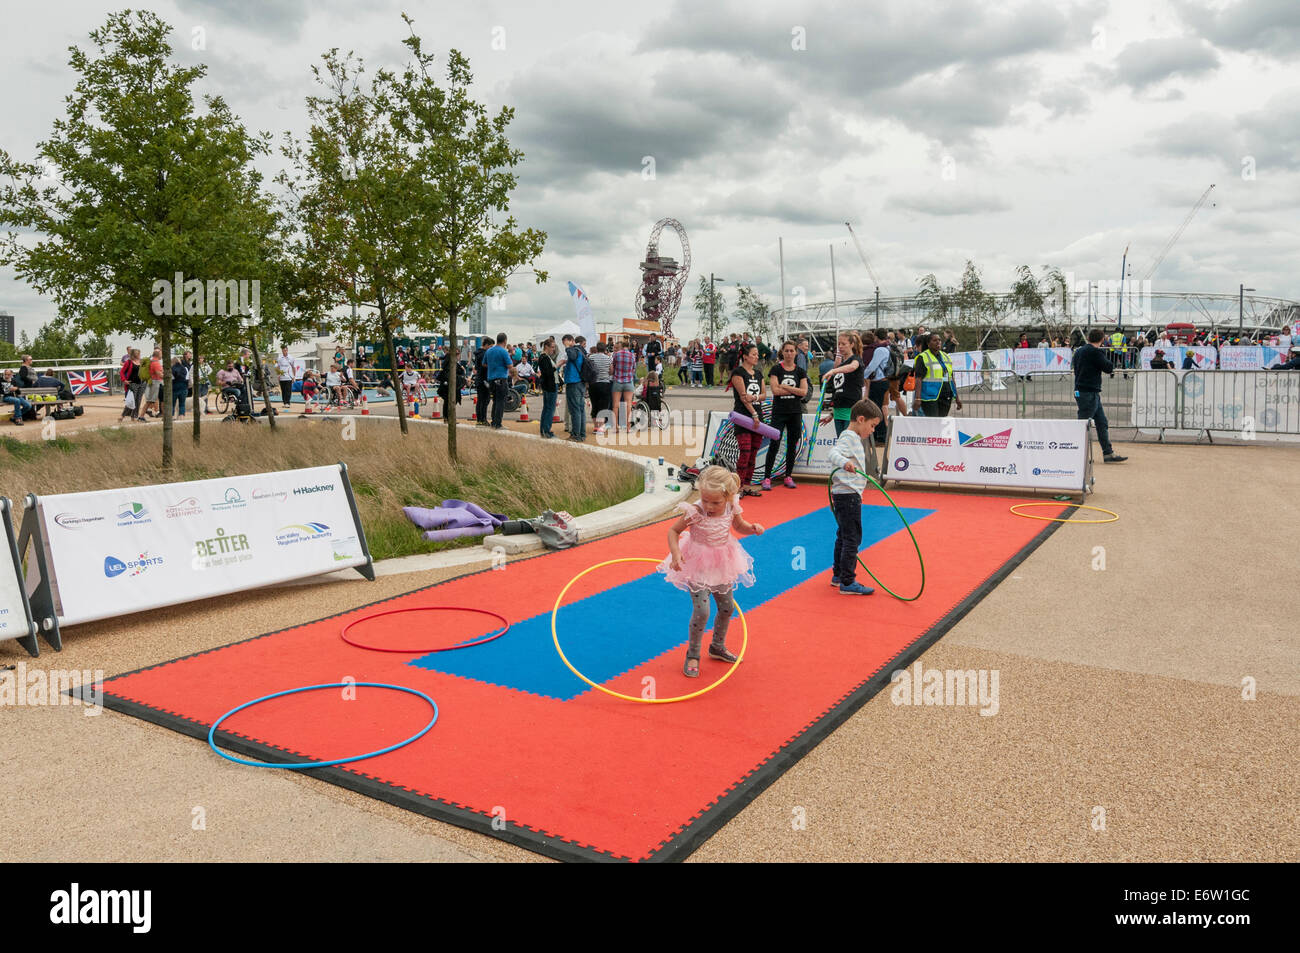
{"x":1177,"y":234}
{"x":863,"y":255}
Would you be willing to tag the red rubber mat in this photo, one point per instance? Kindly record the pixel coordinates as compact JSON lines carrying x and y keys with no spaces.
{"x":527,"y":753}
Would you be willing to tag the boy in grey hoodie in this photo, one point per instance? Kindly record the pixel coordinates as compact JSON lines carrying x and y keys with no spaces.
{"x":848,"y":483}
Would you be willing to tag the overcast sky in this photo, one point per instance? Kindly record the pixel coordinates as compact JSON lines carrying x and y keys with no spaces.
{"x":1007,"y":132}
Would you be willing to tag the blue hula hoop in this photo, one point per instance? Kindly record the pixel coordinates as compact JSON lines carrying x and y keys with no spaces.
{"x":322,"y":764}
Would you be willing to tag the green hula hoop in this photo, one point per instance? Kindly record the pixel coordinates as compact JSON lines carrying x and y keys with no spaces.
{"x":907,"y":526}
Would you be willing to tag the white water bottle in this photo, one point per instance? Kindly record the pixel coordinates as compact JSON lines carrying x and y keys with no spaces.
{"x":649,"y":477}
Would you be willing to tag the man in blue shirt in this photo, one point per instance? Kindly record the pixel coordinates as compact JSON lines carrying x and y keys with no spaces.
{"x":873,"y":374}
{"x":498,"y":364}
{"x":575,"y":391}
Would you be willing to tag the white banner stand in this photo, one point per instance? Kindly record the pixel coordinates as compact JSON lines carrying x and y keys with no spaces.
{"x":91,"y":554}
{"x":15,"y":611}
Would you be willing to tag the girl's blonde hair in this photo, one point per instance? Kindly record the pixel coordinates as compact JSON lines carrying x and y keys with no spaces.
{"x":717,"y":479}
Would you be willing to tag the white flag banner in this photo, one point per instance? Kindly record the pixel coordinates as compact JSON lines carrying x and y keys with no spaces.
{"x":582,"y":308}
{"x":112,"y":552}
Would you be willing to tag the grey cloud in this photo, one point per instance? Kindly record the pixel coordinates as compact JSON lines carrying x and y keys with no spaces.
{"x":947,"y":201}
{"x":282,"y":19}
{"x":1270,"y":136}
{"x":1063,"y":100}
{"x":1267,"y":26}
{"x":1148,"y":62}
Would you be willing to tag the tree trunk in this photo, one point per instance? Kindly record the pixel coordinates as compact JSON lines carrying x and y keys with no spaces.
{"x":165,"y":338}
{"x":453,"y":386}
{"x":194,"y":388}
{"x":392,"y":354}
{"x":260,"y":378}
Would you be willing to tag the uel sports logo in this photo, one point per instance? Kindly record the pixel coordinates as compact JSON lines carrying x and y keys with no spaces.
{"x":114,"y":567}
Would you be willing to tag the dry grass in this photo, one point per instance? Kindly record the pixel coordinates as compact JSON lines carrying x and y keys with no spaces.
{"x":516,"y":477}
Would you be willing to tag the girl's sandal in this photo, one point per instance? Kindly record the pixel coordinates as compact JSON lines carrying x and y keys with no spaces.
{"x":722,"y":655}
{"x":691,"y":672}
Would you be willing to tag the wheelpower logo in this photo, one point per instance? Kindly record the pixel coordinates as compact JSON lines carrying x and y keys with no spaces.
{"x":1053,"y":472}
{"x":133,"y":514}
{"x":301,"y":533}
{"x":997,"y":441}
{"x":114,"y":567}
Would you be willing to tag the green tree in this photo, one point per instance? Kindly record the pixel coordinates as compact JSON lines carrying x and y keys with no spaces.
{"x":934,"y":299}
{"x":459,"y":241}
{"x":755,"y":314}
{"x":350,"y":208}
{"x":711,"y":308}
{"x":146,"y":186}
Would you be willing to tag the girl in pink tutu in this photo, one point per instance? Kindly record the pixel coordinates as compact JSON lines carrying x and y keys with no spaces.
{"x":710,"y":560}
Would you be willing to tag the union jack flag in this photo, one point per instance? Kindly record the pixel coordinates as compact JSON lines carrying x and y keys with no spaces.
{"x":88,"y":382}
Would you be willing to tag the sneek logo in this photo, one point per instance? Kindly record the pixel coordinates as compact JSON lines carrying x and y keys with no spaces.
{"x":133,"y":907}
{"x":942,"y":467}
{"x":114,"y":567}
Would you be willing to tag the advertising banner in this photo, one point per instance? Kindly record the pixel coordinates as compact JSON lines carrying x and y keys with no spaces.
{"x":1250,"y":357}
{"x":1155,"y":398}
{"x":1042,"y":360}
{"x":967,"y":367}
{"x":1028,"y":454}
{"x":1202,"y":357}
{"x":117,"y":551}
{"x":720,"y":438}
{"x":15,"y":617}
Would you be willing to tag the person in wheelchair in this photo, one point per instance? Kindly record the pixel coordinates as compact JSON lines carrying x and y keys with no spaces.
{"x":652,"y":395}
{"x":231,"y":383}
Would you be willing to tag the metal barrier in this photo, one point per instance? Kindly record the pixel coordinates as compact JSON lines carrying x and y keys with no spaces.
{"x":1151,"y":402}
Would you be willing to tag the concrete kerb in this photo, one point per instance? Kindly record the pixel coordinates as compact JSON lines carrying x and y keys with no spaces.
{"x":644,"y":508}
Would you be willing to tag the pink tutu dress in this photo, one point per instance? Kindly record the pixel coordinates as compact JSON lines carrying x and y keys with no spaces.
{"x":711,"y":557}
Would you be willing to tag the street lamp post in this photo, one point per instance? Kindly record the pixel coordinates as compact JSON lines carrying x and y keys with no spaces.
{"x":713,"y":330}
{"x":1241,"y":305}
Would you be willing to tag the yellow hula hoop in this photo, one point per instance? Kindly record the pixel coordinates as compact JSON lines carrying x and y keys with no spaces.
{"x":631,"y":698}
{"x":1056,"y":519}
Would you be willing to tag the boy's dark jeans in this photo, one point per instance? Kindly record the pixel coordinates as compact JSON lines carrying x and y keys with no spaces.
{"x":848,"y":536}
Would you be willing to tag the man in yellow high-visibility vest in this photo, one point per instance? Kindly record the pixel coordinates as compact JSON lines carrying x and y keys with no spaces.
{"x":935,"y":385}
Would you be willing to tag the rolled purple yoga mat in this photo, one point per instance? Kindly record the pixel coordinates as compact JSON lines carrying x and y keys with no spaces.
{"x":757,"y":426}
{"x":475,"y":509}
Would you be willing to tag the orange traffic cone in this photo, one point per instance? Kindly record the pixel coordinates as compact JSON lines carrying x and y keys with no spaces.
{"x":365,"y":408}
{"x":435,"y":409}
{"x":523,"y":412}
{"x":309,"y":410}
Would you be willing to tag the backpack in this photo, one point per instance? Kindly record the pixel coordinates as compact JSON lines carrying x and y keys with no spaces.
{"x":894,"y":363}
{"x":587,"y":371}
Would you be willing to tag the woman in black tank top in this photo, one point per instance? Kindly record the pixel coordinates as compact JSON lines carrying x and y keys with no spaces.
{"x":747,"y":390}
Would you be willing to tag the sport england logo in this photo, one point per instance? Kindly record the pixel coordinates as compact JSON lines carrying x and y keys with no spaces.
{"x":132,"y":514}
{"x":301,"y":532}
{"x":997,"y":441}
{"x":114,"y":567}
{"x":1062,"y":445}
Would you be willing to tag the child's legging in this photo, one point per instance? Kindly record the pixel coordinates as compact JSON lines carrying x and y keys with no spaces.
{"x":700,"y":617}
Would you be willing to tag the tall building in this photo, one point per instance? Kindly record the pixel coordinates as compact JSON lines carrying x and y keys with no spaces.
{"x":6,"y":327}
{"x":478,"y":316}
